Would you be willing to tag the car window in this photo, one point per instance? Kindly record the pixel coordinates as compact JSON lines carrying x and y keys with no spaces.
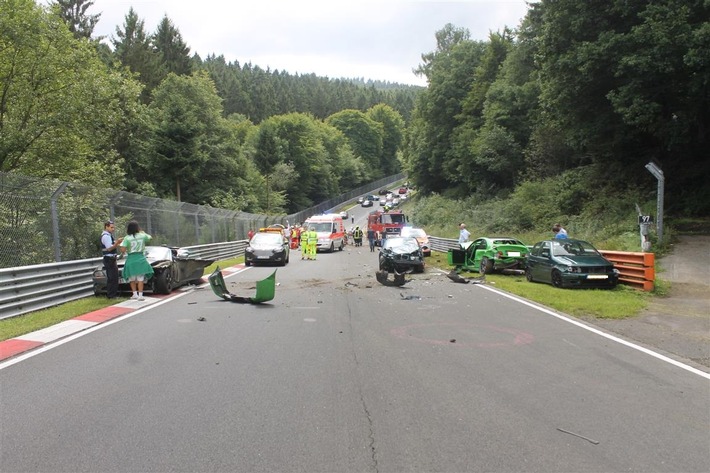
{"x":267,"y":239}
{"x":406,"y":244}
{"x":158,"y":252}
{"x":508,"y":241}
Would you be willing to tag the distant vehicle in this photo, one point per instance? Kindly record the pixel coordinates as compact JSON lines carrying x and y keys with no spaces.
{"x":386,"y":224}
{"x":331,"y":231}
{"x":267,"y":247}
{"x":172,"y":267}
{"x":395,"y":201}
{"x":360,"y":199}
{"x":384,"y":192}
{"x":401,"y":254}
{"x":344,"y":214}
{"x":372,"y":197}
{"x":402,"y":190}
{"x":383,"y":202}
{"x":570,"y":263}
{"x":420,"y":236}
{"x":366,"y":203}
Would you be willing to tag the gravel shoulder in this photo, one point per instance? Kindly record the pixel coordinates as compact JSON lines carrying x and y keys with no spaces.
{"x":678,"y":324}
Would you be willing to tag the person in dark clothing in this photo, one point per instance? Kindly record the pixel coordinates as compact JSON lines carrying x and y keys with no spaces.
{"x":357,"y":236}
{"x":371,"y":237}
{"x":109,"y":251}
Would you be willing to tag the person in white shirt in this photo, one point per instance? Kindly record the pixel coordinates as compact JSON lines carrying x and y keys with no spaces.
{"x":464,"y":234}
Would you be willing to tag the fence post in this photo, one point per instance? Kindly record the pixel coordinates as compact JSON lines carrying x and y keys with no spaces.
{"x":55,"y":221}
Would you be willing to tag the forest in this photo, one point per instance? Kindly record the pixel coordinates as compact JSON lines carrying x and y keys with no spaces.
{"x":573,"y":102}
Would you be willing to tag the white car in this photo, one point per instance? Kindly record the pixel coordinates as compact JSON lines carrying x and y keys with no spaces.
{"x":344,"y":214}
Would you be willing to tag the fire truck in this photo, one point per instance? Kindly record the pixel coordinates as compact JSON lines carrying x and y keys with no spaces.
{"x":386,"y":223}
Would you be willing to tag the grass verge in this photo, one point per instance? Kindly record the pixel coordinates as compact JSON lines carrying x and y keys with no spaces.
{"x":16,"y":326}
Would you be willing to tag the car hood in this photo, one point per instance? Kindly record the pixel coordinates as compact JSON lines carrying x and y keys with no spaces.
{"x":583,"y":260}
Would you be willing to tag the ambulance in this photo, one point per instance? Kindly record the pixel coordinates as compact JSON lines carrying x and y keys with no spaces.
{"x":330,"y":230}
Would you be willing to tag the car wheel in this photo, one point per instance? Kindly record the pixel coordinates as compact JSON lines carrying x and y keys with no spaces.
{"x":163,"y":283}
{"x":247,"y":263}
{"x":342,"y":245}
{"x":486,"y":266}
{"x":332,"y":247}
{"x":528,"y":275}
{"x":556,"y":278}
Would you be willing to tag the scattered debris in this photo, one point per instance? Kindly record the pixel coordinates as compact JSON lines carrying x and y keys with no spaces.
{"x":453,"y":340}
{"x":595,"y":442}
{"x":201,"y":319}
{"x":399,"y":280}
{"x":191,"y":303}
{"x":410,"y":298}
{"x":456,"y":277}
{"x":350,"y":284}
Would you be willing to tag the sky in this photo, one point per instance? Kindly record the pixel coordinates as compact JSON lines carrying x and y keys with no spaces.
{"x":378,"y":40}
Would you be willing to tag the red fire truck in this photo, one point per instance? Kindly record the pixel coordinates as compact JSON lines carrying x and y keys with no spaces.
{"x":386,"y":223}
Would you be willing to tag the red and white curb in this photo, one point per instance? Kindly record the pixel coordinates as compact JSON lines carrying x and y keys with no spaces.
{"x":30,"y":341}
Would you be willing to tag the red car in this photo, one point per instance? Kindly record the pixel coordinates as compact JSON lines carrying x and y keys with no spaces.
{"x":402,"y":190}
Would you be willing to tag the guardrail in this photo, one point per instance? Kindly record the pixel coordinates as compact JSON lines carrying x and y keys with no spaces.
{"x":635,"y":269}
{"x":29,"y":288}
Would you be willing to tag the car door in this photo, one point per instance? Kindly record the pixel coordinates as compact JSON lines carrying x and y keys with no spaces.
{"x":543,"y":266}
{"x":478,"y":249}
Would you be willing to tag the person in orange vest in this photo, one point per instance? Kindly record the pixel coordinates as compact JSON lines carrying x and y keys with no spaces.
{"x":295,"y":237}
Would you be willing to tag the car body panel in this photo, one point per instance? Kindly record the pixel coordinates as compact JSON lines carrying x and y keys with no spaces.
{"x":401,"y":254}
{"x":366,"y":203}
{"x":570,"y":263}
{"x":497,"y":254}
{"x":421,"y":237}
{"x":172,"y":267}
{"x":267,"y":248}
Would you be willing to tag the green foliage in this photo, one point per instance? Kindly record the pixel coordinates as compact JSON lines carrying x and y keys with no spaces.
{"x":60,"y":107}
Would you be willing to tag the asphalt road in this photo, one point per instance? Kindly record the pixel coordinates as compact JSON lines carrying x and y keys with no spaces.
{"x":341,"y":374}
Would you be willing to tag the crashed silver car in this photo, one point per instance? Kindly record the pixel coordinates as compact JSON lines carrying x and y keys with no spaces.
{"x":172,"y":268}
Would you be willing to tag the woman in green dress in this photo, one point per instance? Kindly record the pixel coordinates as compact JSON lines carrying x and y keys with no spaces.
{"x":136,"y":270}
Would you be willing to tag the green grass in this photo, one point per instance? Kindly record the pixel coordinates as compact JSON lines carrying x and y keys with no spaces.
{"x":617,"y":303}
{"x":16,"y":326}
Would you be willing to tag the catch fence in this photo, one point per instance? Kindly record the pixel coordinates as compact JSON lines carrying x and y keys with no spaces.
{"x":47,"y":221}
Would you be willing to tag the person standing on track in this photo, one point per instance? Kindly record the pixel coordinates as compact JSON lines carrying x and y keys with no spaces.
{"x":304,"y":242}
{"x":136,"y":270}
{"x":312,"y":243}
{"x":109,"y":250}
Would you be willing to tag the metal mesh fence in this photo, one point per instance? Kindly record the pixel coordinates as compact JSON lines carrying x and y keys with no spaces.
{"x":47,"y":221}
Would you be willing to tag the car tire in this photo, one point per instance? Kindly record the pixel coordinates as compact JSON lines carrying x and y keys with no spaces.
{"x":486,"y":266}
{"x":163,"y":283}
{"x":332,"y":247}
{"x":528,"y":275}
{"x":556,"y":278}
{"x":247,"y":263}
{"x":342,"y":245}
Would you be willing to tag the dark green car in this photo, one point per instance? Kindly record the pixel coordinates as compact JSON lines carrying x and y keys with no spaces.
{"x":570,"y":263}
{"x":487,"y":255}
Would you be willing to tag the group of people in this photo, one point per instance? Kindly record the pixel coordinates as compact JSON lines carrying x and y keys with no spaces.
{"x":309,"y":243}
{"x":136,"y":269}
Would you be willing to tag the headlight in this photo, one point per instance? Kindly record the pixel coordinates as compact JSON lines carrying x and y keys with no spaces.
{"x":249,"y":249}
{"x":572,"y":269}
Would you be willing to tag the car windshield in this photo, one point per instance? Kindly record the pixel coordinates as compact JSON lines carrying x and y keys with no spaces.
{"x":508,"y":241}
{"x":573,"y":247}
{"x":407,"y":244}
{"x":413,"y":232}
{"x":392,"y":218}
{"x":321,"y":227}
{"x":158,"y":253}
{"x":267,"y":239}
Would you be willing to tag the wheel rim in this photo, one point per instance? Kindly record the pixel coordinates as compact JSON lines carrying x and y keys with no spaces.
{"x":528,"y":275}
{"x":556,"y":279}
